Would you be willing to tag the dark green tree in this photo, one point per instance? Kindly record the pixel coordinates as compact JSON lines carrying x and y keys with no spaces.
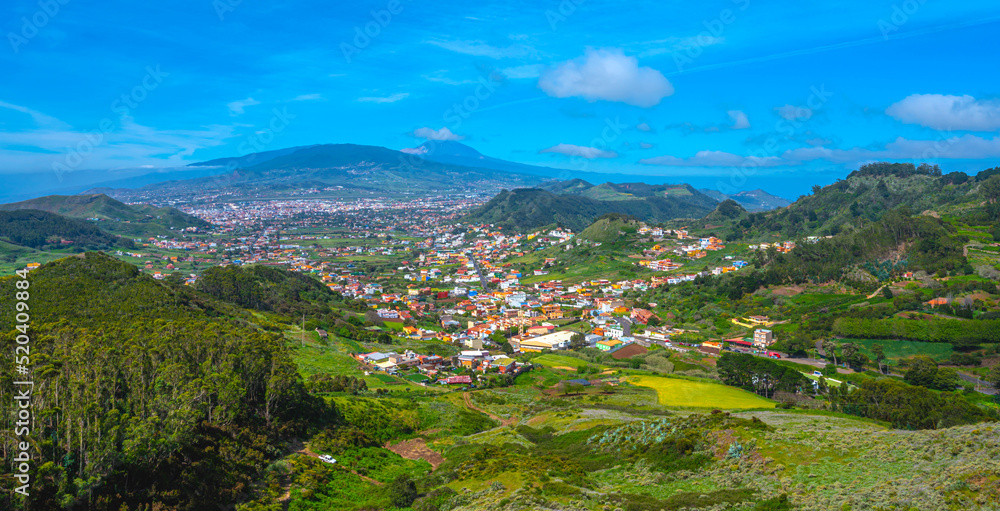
{"x":922,"y":372}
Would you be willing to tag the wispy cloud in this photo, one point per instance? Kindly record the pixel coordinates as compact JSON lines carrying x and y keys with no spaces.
{"x":39,"y":118}
{"x":441,"y":76}
{"x":715,"y":159}
{"x":739,"y":118}
{"x":673,"y":44}
{"x":792,"y":112}
{"x":392,"y":98}
{"x":587,"y":152}
{"x":965,"y":147}
{"x":308,"y":97}
{"x":433,"y":134}
{"x":526,"y":71}
{"x":238,"y":107}
{"x":484,"y":49}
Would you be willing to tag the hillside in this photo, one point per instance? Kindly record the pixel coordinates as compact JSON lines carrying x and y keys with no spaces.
{"x":41,"y":230}
{"x":103,"y":333}
{"x":865,"y":196}
{"x":529,"y":208}
{"x":105,"y":208}
{"x":610,"y":228}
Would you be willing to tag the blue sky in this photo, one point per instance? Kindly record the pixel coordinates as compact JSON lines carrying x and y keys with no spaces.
{"x":741,"y":94}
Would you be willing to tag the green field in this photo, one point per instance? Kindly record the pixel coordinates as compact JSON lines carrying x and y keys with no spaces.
{"x":898,"y":350}
{"x":550,"y":360}
{"x":697,"y":394}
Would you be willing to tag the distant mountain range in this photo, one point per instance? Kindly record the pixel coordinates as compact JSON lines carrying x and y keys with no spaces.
{"x":371,"y":168}
{"x":753,"y":200}
{"x":457,"y":153}
{"x":434,"y":166}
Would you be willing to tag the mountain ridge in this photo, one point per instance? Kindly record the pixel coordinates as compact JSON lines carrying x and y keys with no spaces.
{"x":529,"y":208}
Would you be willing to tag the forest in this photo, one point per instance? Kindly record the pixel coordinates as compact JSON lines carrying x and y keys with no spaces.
{"x":148,"y":393}
{"x":42,"y":230}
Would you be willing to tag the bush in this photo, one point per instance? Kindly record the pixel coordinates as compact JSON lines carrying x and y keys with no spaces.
{"x":402,"y":491}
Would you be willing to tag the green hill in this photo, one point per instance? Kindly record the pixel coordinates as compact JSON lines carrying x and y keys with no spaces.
{"x":610,"y":228}
{"x":864,"y":197}
{"x":530,"y":208}
{"x":41,"y":230}
{"x":105,"y":208}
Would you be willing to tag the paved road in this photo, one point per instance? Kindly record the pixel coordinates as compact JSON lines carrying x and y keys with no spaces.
{"x":482,"y":278}
{"x":984,"y":387}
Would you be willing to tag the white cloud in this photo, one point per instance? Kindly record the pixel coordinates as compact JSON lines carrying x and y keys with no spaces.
{"x":715,"y":159}
{"x":643,"y":127}
{"x":589,"y":153}
{"x":646,"y":145}
{"x":792,"y":112}
{"x":739,"y":118}
{"x":943,"y":112}
{"x":414,"y":150}
{"x":607,"y":74}
{"x":308,"y":97}
{"x":239,"y":107}
{"x":432,"y":134}
{"x":392,"y":98}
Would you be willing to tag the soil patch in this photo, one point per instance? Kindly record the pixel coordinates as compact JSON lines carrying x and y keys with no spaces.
{"x":416,"y":449}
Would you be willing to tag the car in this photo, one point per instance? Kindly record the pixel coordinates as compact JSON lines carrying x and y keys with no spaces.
{"x":326,"y":458}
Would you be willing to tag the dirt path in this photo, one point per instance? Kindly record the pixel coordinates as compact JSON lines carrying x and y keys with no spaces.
{"x":416,"y":449}
{"x":876,"y":292}
{"x":467,"y":397}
